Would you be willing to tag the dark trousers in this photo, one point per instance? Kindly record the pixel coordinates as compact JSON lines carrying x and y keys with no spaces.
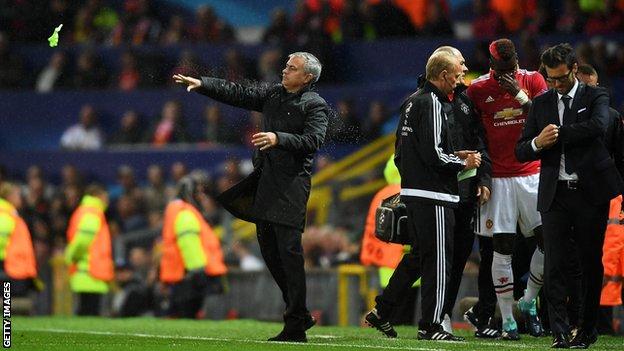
{"x":572,"y":216}
{"x":463,"y":240}
{"x":486,"y":306}
{"x":187,"y":296}
{"x":431,"y":233}
{"x":89,"y":304}
{"x":281,"y":249}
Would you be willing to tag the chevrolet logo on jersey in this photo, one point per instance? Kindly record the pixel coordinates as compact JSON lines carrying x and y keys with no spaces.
{"x":508,"y":113}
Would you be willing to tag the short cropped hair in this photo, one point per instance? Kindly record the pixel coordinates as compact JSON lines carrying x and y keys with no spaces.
{"x":5,"y":189}
{"x":311,"y":65}
{"x":502,"y":50}
{"x":451,"y":50}
{"x":587,"y":69}
{"x":558,"y":55}
{"x":439,"y":62}
{"x":95,"y":189}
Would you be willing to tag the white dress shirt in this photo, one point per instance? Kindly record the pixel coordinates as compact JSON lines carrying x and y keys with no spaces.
{"x":561,"y":108}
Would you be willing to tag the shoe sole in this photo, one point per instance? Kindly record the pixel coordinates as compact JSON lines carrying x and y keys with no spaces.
{"x":379,"y":330}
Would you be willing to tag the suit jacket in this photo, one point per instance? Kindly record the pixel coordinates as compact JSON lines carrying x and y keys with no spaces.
{"x":278,"y":189}
{"x":582,"y":136}
{"x":615,"y":139}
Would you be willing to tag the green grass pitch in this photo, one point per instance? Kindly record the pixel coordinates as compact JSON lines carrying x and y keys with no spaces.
{"x":74,"y":334}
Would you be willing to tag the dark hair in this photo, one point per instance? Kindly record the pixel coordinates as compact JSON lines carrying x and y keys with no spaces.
{"x":559,"y":54}
{"x":95,"y":189}
{"x":502,"y":50}
{"x":587,"y":69}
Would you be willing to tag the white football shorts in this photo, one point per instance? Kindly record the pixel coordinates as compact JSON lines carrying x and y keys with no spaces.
{"x":513,"y":202}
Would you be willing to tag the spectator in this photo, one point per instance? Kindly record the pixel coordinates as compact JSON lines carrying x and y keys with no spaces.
{"x":104,"y":19}
{"x":55,"y":75}
{"x":85,"y":135}
{"x":188,"y":63}
{"x":90,"y":73}
{"x":176,"y":31}
{"x":347,"y":128}
{"x":129,"y":77}
{"x":155,"y":191}
{"x":270,"y":66}
{"x":11,"y":69}
{"x":138,"y":26}
{"x":126,"y":185}
{"x":606,"y":21}
{"x":513,"y":13}
{"x":571,"y":20}
{"x":128,"y":216}
{"x":216,"y":131}
{"x":438,"y":23}
{"x":236,"y":66}
{"x":487,"y":23}
{"x":351,"y":22}
{"x":130,"y":129}
{"x":543,"y":21}
{"x":377,"y":116}
{"x":170,"y":128}
{"x":279,"y":32}
{"x":83,"y":26}
{"x":176,"y":172}
{"x":209,"y":28}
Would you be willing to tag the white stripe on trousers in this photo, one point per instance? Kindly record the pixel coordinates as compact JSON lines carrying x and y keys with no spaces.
{"x":441,"y":265}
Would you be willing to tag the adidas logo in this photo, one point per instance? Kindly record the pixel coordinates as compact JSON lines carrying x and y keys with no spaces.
{"x":489,"y":99}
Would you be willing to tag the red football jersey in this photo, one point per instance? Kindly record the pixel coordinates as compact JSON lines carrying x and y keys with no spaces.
{"x":503,"y":120}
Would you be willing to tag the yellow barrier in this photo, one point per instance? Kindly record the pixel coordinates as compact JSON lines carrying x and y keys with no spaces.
{"x":367,"y":294}
{"x":62,"y":295}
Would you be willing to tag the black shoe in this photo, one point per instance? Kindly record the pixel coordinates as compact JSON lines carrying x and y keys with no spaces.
{"x":285,"y":336}
{"x":309,"y":323}
{"x":384,"y":326}
{"x":583,"y":339}
{"x":472,"y":318}
{"x":487,"y":332}
{"x":560,"y":341}
{"x":437,"y":334}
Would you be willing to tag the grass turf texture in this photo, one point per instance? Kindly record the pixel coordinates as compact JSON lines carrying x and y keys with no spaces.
{"x":74,"y":333}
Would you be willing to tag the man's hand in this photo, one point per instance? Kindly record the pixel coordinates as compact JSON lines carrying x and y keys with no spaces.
{"x":483,"y":193}
{"x":264,"y":140}
{"x":463,"y":154}
{"x":191,"y":83}
{"x":509,"y":83}
{"x":473,"y":160}
{"x":547,"y":137}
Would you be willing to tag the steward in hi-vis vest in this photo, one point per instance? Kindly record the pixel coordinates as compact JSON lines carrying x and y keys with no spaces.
{"x":17,"y":256}
{"x":89,"y":251}
{"x":192,"y":260}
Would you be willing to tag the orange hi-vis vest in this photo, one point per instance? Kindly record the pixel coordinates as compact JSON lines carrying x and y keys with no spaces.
{"x":374,"y":251}
{"x":100,"y":251}
{"x":19,"y":261}
{"x":171,"y":263}
{"x":613,"y":255}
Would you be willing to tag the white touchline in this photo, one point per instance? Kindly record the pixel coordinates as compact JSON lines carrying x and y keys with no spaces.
{"x":139,"y":335}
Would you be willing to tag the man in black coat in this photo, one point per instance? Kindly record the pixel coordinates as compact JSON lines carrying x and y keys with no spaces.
{"x":566,"y":130}
{"x":275,"y":194}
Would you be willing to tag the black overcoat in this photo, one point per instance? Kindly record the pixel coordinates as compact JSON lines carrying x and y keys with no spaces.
{"x":278,"y":189}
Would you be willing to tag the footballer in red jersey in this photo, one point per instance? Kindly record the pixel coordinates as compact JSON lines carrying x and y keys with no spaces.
{"x":502,"y":98}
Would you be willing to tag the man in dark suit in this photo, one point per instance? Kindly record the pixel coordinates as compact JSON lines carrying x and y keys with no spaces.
{"x":275,"y":195}
{"x":566,"y":129}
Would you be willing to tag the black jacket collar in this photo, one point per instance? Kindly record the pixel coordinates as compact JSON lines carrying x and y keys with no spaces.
{"x":430,"y":88}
